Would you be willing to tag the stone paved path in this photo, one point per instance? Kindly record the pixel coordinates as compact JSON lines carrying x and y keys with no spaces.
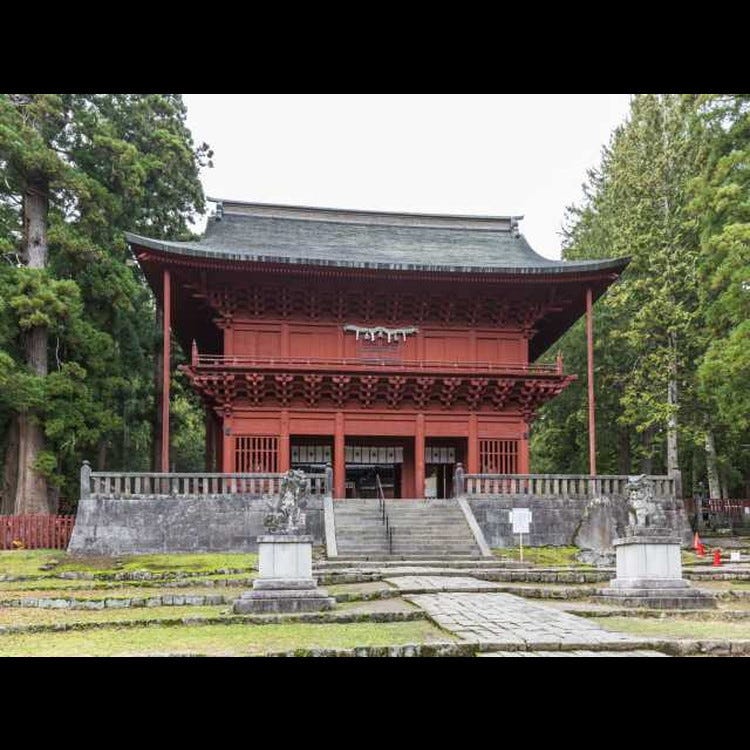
{"x":511,"y":622}
{"x":440,"y":583}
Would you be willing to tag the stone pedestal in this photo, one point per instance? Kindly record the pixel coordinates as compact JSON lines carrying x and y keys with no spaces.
{"x":649,"y":573}
{"x":285,"y":583}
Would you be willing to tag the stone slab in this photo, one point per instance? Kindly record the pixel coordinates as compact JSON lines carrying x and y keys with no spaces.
{"x":284,"y":584}
{"x":286,"y":603}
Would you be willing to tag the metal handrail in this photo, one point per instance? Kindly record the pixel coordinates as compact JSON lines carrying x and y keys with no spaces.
{"x":383,"y":514}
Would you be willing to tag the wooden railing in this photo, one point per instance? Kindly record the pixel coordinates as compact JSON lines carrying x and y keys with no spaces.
{"x":134,"y":484}
{"x":35,"y":531}
{"x":557,"y":485}
{"x":306,"y":363}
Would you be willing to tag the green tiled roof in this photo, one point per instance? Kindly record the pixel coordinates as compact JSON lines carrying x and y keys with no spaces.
{"x":367,"y":239}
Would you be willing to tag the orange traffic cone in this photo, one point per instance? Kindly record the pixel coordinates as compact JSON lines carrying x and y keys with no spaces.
{"x":700,"y":550}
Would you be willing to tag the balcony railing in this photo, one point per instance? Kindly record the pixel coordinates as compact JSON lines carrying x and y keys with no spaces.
{"x":221,"y":361}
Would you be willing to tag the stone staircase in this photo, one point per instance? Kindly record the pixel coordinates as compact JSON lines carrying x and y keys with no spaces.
{"x":422,"y":529}
{"x":359,"y":529}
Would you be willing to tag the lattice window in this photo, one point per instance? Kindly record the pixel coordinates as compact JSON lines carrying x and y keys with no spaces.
{"x":256,"y":454}
{"x":498,"y":456}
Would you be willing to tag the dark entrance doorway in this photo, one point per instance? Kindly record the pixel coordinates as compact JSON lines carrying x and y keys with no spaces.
{"x":440,"y":457}
{"x":370,"y":459}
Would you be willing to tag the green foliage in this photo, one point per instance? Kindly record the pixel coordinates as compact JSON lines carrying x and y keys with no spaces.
{"x":672,"y":192}
{"x":113,"y":163}
{"x":188,"y":427}
{"x":43,"y":301}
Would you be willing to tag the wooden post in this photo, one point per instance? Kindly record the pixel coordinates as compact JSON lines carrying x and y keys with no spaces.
{"x":339,"y":457}
{"x":590,"y":358}
{"x":472,"y":452}
{"x":166,"y":349}
{"x":419,"y":467}
{"x":284,"y":448}
{"x":227,"y":446}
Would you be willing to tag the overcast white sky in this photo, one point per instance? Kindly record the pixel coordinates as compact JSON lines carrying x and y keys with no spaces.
{"x":463,"y":154}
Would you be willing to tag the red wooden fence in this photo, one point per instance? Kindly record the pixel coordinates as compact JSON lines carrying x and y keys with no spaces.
{"x":35,"y":531}
{"x":737,"y":510}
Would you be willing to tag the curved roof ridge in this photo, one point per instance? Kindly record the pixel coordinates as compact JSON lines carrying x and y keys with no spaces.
{"x":362,"y":216}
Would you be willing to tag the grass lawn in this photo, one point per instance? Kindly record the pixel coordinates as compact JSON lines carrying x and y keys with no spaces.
{"x":121,"y":592}
{"x":37,"y":616}
{"x":673,"y":628}
{"x":218,"y":640}
{"x":29,"y":562}
{"x":543,"y":556}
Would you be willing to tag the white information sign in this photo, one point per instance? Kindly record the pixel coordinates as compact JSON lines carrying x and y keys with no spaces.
{"x":521,"y":520}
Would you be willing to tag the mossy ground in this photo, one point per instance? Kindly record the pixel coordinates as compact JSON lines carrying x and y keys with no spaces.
{"x":41,"y":570}
{"x":542,"y":556}
{"x":144,"y":637}
{"x":53,"y":562}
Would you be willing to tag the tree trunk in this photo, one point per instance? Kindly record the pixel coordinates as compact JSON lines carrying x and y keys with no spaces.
{"x":673,"y":463}
{"x":31,"y":488}
{"x":101,"y":457}
{"x":156,"y":422}
{"x":623,"y":450}
{"x":647,"y":459}
{"x":10,"y":469}
{"x":712,"y":466}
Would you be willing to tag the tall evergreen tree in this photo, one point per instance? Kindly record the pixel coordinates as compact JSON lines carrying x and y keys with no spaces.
{"x":721,"y":204}
{"x":646,"y":326}
{"x":76,"y":321}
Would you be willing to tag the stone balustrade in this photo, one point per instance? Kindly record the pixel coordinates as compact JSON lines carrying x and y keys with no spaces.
{"x":554,"y":485}
{"x":138,"y":484}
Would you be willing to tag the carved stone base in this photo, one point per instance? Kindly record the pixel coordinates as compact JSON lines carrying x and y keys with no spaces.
{"x":286,"y":584}
{"x":280,"y":596}
{"x":649,"y":574}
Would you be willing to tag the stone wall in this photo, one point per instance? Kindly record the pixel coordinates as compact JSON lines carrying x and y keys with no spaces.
{"x":557,"y":520}
{"x":159,"y":523}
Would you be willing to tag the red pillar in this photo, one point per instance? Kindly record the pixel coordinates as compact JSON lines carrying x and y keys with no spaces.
{"x":419,"y":457}
{"x":227,"y":446}
{"x":472,"y":448}
{"x":339,"y":458}
{"x":285,"y":460}
{"x":590,"y":358}
{"x":166,"y":350}
{"x":523,"y":458}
